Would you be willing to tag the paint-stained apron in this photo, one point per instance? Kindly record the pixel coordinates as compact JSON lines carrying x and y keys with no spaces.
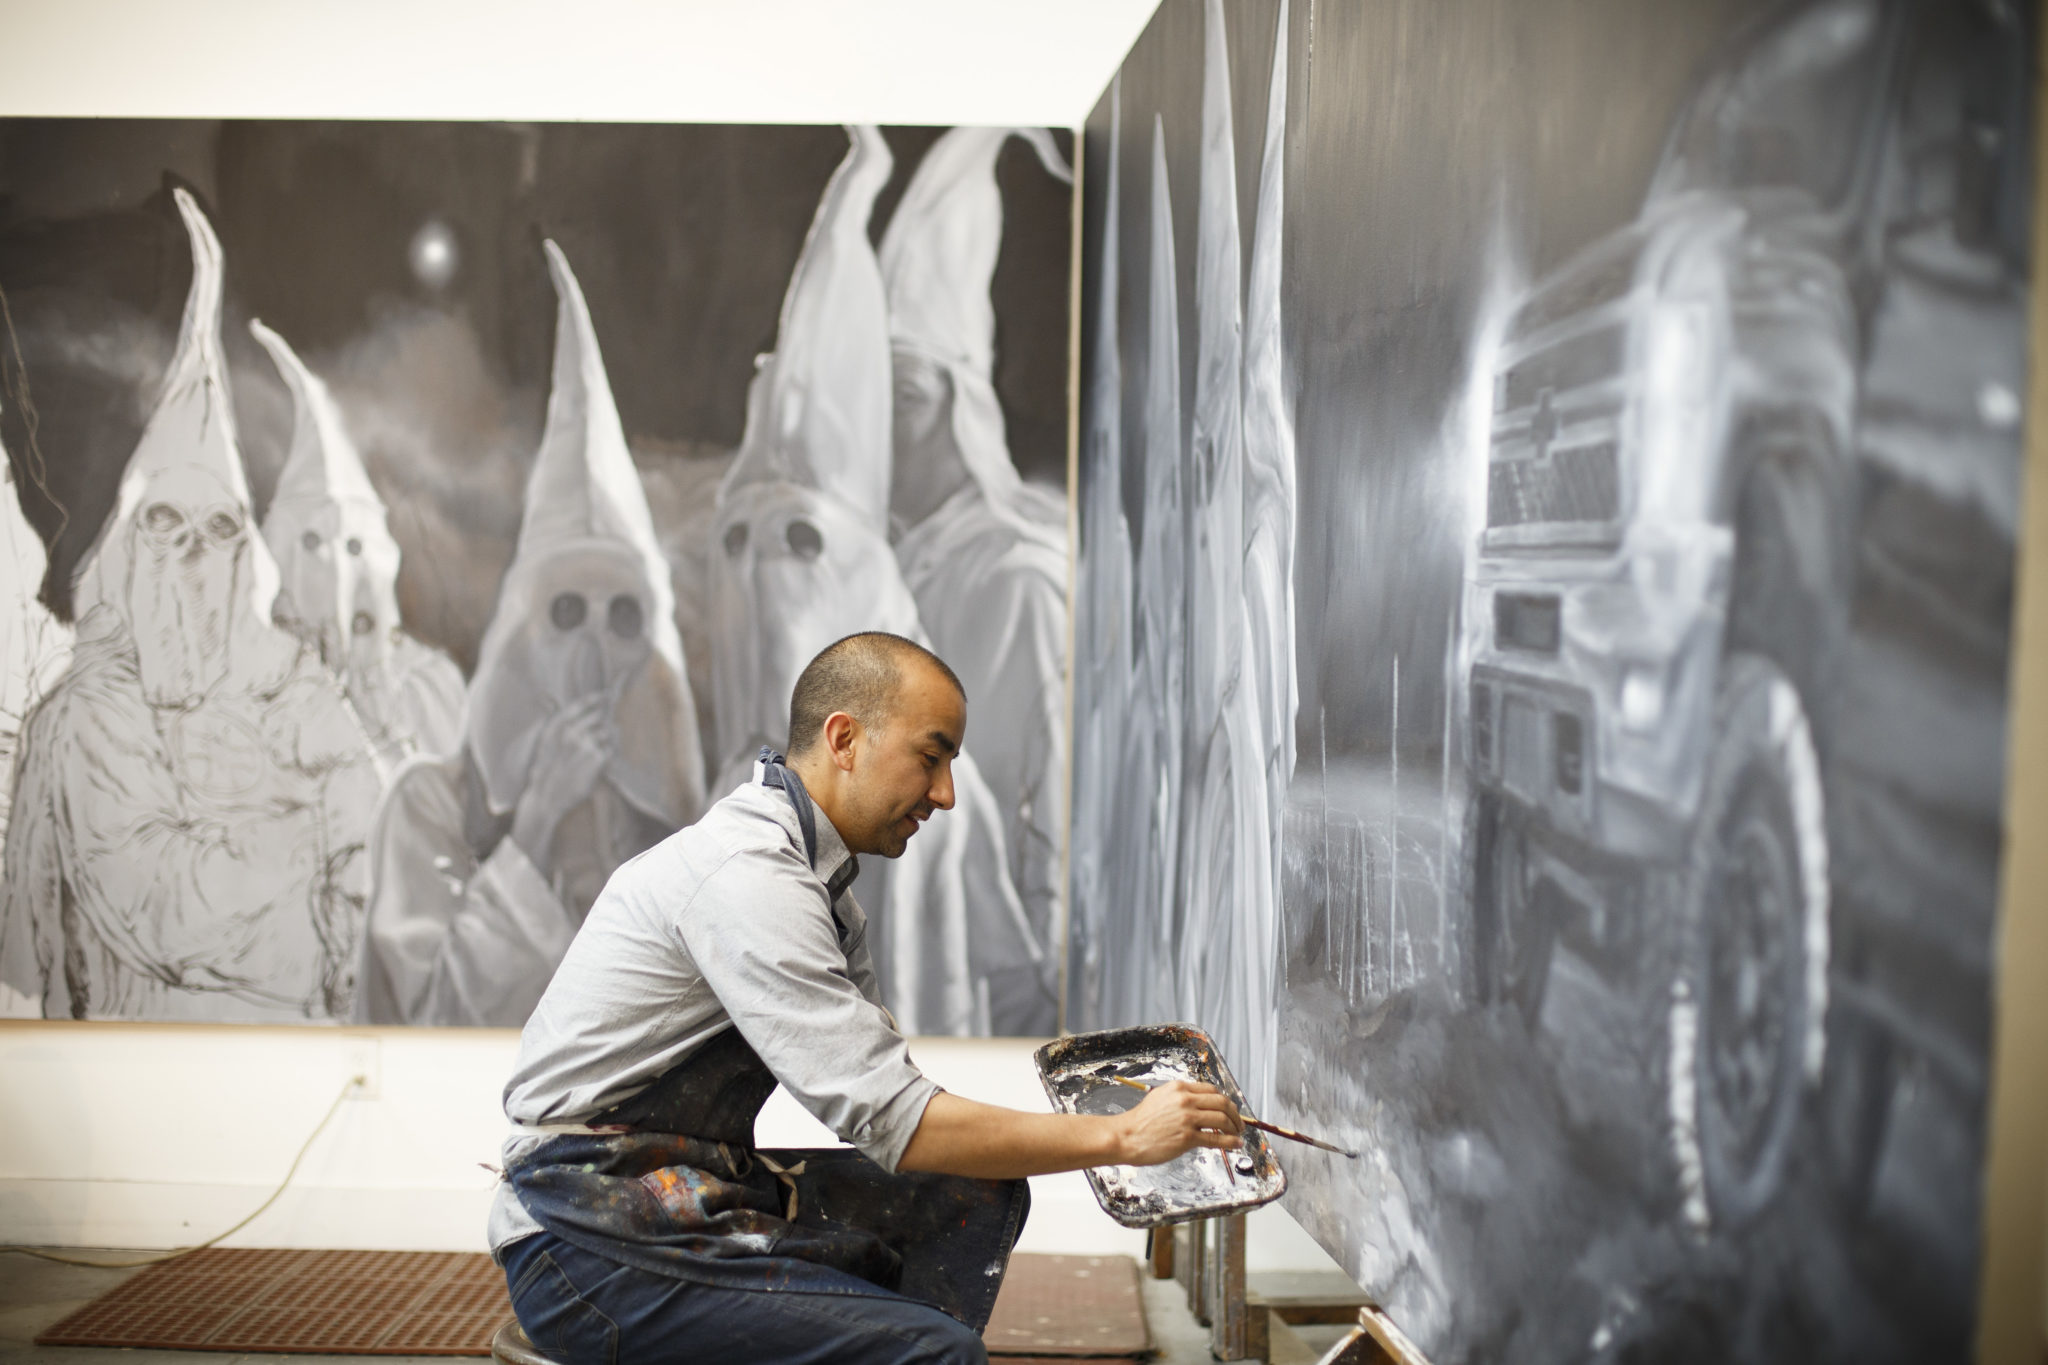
{"x":682,"y":1191}
{"x":711,"y":1207}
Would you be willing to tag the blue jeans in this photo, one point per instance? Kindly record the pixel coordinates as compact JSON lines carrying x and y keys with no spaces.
{"x":582,"y":1309}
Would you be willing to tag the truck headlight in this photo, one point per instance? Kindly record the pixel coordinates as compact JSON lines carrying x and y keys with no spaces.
{"x":1642,"y":698}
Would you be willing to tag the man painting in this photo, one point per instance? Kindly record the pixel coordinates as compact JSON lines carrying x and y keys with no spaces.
{"x":637,"y":1215}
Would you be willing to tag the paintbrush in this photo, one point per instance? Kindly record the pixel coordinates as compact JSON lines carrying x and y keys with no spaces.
{"x":1260,"y":1124}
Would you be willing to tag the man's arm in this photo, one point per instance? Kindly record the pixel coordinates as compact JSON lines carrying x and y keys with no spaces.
{"x":962,"y":1137}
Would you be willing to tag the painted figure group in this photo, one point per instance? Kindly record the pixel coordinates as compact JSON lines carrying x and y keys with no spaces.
{"x":241,"y":791}
{"x":1185,"y":692}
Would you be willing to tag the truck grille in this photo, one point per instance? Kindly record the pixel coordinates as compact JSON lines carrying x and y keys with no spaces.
{"x":1582,"y":484}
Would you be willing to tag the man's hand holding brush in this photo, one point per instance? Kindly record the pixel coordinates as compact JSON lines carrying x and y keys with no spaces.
{"x":1176,"y":1116}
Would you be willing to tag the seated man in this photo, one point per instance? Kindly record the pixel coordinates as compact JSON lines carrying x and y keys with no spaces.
{"x":637,"y":1222}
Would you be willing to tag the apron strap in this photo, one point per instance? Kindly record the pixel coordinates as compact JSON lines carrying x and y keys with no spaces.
{"x":776,"y":772}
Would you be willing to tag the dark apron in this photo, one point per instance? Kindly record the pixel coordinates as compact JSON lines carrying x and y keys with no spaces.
{"x":685,"y":1193}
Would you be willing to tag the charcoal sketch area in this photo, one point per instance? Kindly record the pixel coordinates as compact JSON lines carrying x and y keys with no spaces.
{"x":1548,"y":498}
{"x":406,"y":524}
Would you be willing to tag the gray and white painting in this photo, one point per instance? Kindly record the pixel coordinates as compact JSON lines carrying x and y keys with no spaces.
{"x":361,"y":623}
{"x":1646,"y":400}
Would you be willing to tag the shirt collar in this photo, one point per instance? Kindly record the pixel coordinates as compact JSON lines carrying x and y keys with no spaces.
{"x":836,"y":866}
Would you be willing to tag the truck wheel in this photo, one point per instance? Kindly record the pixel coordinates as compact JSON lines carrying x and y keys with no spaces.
{"x":1513,"y":938}
{"x":1755,"y":899}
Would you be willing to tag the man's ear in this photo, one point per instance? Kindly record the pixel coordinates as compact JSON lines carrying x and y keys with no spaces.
{"x":841,"y":732}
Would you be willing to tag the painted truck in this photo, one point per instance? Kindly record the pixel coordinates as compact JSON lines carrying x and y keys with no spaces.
{"x":1734,"y":627}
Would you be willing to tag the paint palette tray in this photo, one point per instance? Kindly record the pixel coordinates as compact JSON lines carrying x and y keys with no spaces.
{"x":1080,"y":1077}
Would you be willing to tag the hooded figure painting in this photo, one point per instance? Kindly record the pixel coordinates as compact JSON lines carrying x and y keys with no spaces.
{"x":486,"y":861}
{"x":983,"y":552}
{"x":1202,"y":688}
{"x":804,"y":559}
{"x":417,"y":612}
{"x":192,"y":797}
{"x":34,"y":645}
{"x":327,"y":529}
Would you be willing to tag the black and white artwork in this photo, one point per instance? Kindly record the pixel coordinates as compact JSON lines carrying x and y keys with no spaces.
{"x":406,"y":524}
{"x":1548,"y":503}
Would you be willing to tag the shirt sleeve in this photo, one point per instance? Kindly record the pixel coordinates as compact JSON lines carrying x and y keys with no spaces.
{"x":860,"y":962}
{"x":761,"y":932}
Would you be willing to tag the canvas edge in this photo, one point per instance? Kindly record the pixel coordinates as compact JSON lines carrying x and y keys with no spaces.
{"x":1075,"y":298}
{"x":2013,"y":1274}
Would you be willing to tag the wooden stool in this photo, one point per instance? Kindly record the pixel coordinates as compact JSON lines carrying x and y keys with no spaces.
{"x":509,"y":1346}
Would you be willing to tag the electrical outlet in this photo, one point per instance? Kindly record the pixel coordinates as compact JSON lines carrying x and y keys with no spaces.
{"x":364,"y":1057}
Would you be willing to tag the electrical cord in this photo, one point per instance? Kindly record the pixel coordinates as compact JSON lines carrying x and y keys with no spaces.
{"x":353,"y":1083}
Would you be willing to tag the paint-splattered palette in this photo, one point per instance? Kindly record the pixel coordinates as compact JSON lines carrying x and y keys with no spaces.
{"x":1085,"y":1074}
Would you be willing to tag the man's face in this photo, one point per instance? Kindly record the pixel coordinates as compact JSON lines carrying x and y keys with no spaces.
{"x":903,"y":766}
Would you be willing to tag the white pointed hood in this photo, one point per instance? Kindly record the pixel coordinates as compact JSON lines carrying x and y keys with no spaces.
{"x":938,"y":258}
{"x":327,"y":528}
{"x":939,"y":253}
{"x":803,"y":555}
{"x":1162,"y":570}
{"x":1106,"y":548}
{"x":1269,"y":444}
{"x":1103,"y":681}
{"x":1216,"y":439}
{"x":322,"y":464}
{"x":587,"y":603}
{"x":818,"y":408}
{"x":802,"y":558}
{"x":179,"y":561}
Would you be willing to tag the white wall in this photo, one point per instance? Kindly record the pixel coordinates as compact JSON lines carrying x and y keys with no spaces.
{"x":161,"y":1135}
{"x":709,"y":61}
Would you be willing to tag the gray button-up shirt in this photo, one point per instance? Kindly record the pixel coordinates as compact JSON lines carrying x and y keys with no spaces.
{"x":721,"y":925}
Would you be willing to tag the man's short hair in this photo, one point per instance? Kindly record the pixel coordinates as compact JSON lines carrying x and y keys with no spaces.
{"x":859,"y":675}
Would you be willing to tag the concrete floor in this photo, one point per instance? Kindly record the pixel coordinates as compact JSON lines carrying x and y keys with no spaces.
{"x":35,"y":1293}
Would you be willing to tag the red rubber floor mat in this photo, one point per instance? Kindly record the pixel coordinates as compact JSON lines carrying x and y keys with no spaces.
{"x":324,"y":1302}
{"x":1068,"y":1307}
{"x":449,"y":1303}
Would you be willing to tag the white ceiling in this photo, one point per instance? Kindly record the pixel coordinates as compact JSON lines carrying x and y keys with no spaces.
{"x":717,"y":61}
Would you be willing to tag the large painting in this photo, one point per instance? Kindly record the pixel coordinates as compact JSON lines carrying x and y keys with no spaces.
{"x":406,"y":524}
{"x":1548,"y":504}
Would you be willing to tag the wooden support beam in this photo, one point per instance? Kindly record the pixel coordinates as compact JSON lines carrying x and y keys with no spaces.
{"x":1359,"y":1348}
{"x":1229,"y":1314}
{"x":1190,"y":1257}
{"x":1305,"y":1296}
{"x":1159,"y":1252}
{"x":1375,"y":1341}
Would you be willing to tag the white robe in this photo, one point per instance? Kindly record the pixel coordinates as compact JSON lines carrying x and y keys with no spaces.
{"x":414,"y":706}
{"x":459,"y":940}
{"x":186,"y":863}
{"x":992,"y":592}
{"x":34,"y":645}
